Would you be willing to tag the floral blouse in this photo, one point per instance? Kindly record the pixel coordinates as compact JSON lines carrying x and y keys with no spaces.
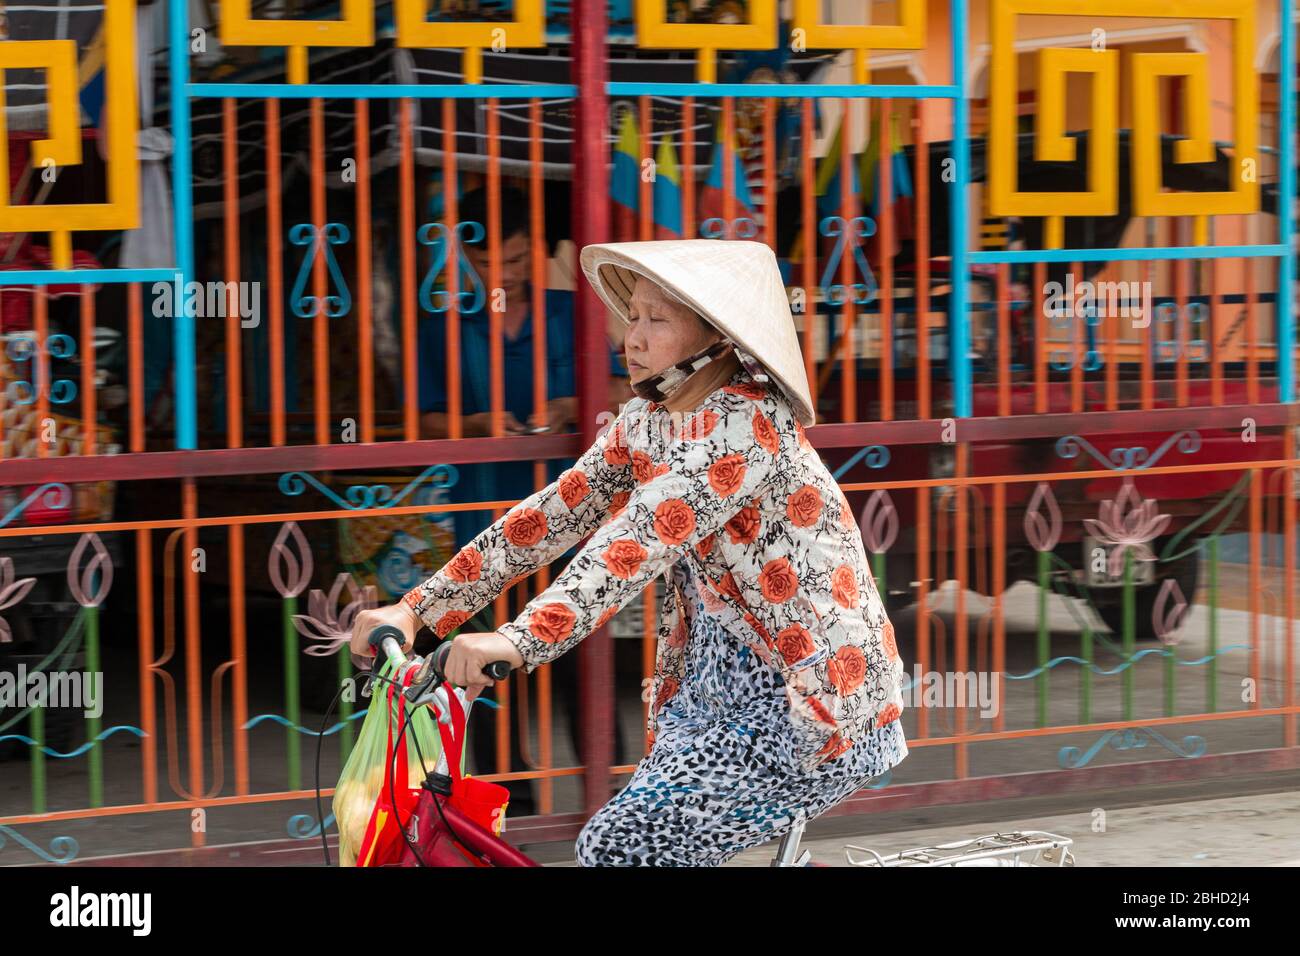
{"x":735,"y":486}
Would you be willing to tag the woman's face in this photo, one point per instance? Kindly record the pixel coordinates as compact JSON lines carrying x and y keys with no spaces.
{"x":661,"y":331}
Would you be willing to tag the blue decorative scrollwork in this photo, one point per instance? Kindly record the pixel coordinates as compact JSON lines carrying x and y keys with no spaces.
{"x":1106,"y":672}
{"x":875,"y":456}
{"x":55,"y":494}
{"x":303,"y":826}
{"x":22,"y":348}
{"x":1120,"y":459}
{"x":1130,"y":738}
{"x":362,"y":497}
{"x":716,"y":227}
{"x":306,"y":306}
{"x":88,"y":745}
{"x":1167,"y":350}
{"x":466,"y":300}
{"x":864,"y":227}
{"x":63,"y":849}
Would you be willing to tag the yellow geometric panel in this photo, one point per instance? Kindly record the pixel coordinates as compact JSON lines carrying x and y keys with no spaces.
{"x":1100,"y":198}
{"x":907,"y":34}
{"x":653,"y":30}
{"x":355,"y":27}
{"x":1197,"y":147}
{"x":63,"y":146}
{"x":528,"y":29}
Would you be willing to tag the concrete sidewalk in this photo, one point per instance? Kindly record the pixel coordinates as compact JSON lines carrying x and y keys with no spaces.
{"x":1246,"y":822}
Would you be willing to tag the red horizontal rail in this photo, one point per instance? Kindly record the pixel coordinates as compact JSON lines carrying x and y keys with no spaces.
{"x":404,"y":454}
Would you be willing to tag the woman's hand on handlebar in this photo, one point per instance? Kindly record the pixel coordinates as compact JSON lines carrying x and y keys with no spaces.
{"x":398,"y":615}
{"x":471,"y":653}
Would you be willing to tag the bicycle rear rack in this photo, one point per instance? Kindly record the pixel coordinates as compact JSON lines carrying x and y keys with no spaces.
{"x":993,"y":849}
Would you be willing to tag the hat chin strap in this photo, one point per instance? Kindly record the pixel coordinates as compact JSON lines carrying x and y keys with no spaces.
{"x":660,"y":386}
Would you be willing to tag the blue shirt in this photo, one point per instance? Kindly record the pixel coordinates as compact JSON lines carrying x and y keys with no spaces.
{"x":497,"y":481}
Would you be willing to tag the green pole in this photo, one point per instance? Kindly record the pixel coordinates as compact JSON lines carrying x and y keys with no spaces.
{"x":345,"y":705}
{"x":1212,"y":688}
{"x":37,"y":721}
{"x":1130,"y":641}
{"x":93,"y":723}
{"x":878,"y":569}
{"x":1044,"y":568}
{"x":1085,"y":681}
{"x":291,"y":694}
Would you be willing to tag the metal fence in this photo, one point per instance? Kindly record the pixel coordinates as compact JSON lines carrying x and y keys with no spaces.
{"x":1064,"y":408}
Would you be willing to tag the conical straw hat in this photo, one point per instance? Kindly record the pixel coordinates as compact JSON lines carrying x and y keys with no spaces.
{"x":734,"y":284}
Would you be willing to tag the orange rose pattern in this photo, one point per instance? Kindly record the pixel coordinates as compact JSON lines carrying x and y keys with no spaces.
{"x":726,"y":476}
{"x":466,"y":565}
{"x":736,"y":491}
{"x":844,"y":587}
{"x":524,"y":527}
{"x":743,"y":528}
{"x":778,"y":580}
{"x":623,"y":557}
{"x":674,"y":521}
{"x":573,"y":487}
{"x":804,"y":507}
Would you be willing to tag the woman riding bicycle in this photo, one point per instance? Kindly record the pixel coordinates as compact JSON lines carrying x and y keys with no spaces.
{"x":778,"y":683}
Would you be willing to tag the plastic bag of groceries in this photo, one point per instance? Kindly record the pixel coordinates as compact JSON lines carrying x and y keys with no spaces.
{"x":367,"y":768}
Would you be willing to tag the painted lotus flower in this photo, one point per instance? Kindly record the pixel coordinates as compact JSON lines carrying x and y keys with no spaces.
{"x":12,"y":591}
{"x":1127,"y":524}
{"x":325,"y":624}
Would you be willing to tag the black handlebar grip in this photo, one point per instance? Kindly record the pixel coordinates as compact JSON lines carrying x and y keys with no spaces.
{"x":497,"y":670}
{"x":386,"y":630}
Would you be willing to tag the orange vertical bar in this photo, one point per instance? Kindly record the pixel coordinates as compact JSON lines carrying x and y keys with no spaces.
{"x":193,"y":644}
{"x":885,"y":202}
{"x":365,"y":331}
{"x":960,"y":755}
{"x":688,"y":168}
{"x":922,"y":599}
{"x":135,"y":364}
{"x":239,"y":654}
{"x":1040,"y":340}
{"x":537,"y":261}
{"x":1079,"y":342}
{"x":848,"y":211}
{"x":1256,"y":506}
{"x":769,"y":172}
{"x":922,"y":292}
{"x":1252,"y":354}
{"x":1004,"y":341}
{"x":1181,"y":337}
{"x":999,"y":585}
{"x":230,"y":195}
{"x":645,"y":188}
{"x":1110,"y":353}
{"x":451,"y":213}
{"x":1147,"y":349}
{"x":1216,"y":354}
{"x":320,"y":286}
{"x":496,"y":347}
{"x":275,"y":271}
{"x":89,"y":413}
{"x":410,"y":414}
{"x":40,"y":372}
{"x":728,"y":167}
{"x":808,"y":253}
{"x":1288,"y":587}
{"x":144,"y":640}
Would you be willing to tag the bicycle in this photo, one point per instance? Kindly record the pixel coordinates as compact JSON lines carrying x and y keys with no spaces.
{"x":467,"y":843}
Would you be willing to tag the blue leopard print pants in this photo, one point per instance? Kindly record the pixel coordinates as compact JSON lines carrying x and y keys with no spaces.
{"x":722,"y":775}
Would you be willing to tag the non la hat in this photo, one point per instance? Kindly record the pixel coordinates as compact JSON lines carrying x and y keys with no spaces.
{"x":735,"y":284}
